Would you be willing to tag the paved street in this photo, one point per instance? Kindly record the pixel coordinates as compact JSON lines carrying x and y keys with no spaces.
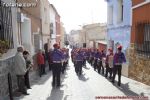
{"x":86,"y":87}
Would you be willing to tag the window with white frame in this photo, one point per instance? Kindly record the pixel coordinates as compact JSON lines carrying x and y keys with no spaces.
{"x":45,"y":14}
{"x":120,"y":11}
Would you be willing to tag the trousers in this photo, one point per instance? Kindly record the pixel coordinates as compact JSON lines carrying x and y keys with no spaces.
{"x":56,"y":72}
{"x":21,"y":83}
{"x":27,"y":81}
{"x":117,"y":69}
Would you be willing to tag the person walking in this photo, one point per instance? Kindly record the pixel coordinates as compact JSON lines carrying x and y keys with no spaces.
{"x":20,"y":70}
{"x":85,"y":57}
{"x":102,"y":57}
{"x":45,"y":59}
{"x":92,"y":56}
{"x":109,"y":63}
{"x":50,"y":62}
{"x":119,"y":59}
{"x":96,"y":57}
{"x":57,"y":58}
{"x":64,"y":60}
{"x":67,"y":57}
{"x":28,"y":66}
{"x":79,"y":57}
{"x":40,"y":62}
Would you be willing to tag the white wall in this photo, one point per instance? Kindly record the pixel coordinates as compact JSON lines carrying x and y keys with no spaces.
{"x":26,"y":35}
{"x":52,"y":20}
{"x":45,"y":21}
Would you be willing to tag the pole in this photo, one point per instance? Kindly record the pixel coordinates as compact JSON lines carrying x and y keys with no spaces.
{"x":85,"y":39}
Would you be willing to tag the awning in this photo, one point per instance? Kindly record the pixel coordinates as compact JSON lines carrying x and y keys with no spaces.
{"x":102,"y":42}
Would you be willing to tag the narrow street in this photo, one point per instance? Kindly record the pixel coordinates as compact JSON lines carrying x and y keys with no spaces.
{"x":38,"y":33}
{"x":86,"y":87}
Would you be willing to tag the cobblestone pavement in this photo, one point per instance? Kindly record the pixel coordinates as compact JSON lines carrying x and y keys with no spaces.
{"x":86,"y":87}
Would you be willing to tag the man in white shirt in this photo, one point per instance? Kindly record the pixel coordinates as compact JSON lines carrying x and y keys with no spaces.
{"x":20,"y":70}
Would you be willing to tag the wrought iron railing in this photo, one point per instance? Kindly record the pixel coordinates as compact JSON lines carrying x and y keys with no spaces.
{"x":142,"y":38}
{"x":6,"y":31}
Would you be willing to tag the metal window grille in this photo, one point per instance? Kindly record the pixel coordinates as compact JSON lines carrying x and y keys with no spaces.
{"x":6,"y":32}
{"x":143,"y":39}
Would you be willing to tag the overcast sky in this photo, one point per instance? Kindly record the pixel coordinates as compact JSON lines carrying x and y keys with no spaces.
{"x":75,"y":13}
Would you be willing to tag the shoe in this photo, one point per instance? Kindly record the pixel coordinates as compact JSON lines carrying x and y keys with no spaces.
{"x":29,"y":88}
{"x":25,"y":93}
{"x":80,"y":74}
{"x":53,"y":85}
{"x":112,"y":81}
{"x":119,"y":84}
{"x":58,"y":85}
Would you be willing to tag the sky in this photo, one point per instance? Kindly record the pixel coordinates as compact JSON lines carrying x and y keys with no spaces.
{"x":76,"y":13}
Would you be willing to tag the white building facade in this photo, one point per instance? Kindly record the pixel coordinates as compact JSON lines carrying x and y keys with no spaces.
{"x":52,"y":25}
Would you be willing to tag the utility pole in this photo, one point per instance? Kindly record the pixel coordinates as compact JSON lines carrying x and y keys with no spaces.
{"x":85,"y":38}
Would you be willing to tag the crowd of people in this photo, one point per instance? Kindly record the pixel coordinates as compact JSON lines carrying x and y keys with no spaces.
{"x":57,"y":61}
{"x":109,"y":63}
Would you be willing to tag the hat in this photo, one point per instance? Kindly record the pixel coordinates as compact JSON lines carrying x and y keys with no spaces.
{"x":56,"y":45}
{"x":119,"y":47}
{"x":110,"y":49}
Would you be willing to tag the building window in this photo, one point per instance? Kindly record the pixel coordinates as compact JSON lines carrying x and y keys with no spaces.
{"x":143,"y":39}
{"x":110,"y":15}
{"x":45,"y":15}
{"x":51,"y":28}
{"x":6,"y":31}
{"x":120,"y":11}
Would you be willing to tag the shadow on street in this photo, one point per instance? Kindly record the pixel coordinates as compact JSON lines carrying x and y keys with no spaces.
{"x":83,"y":78}
{"x":126,"y":89}
{"x":41,"y":80}
{"x":56,"y":94}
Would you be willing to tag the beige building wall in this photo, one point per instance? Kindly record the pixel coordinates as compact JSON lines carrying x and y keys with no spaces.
{"x":33,"y":15}
{"x":62,"y":33}
{"x":52,"y":11}
{"x":45,"y":16}
{"x":76,"y":38}
{"x":94,"y":32}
